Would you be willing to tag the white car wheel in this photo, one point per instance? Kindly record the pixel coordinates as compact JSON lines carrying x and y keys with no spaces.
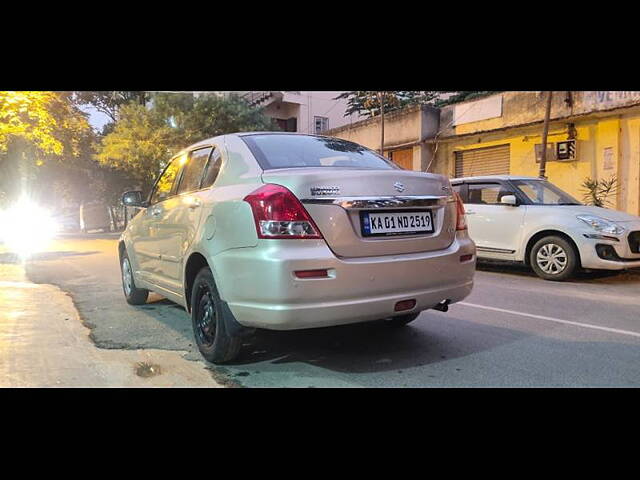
{"x":133,"y":295}
{"x":554,"y":258}
{"x":127,"y":277}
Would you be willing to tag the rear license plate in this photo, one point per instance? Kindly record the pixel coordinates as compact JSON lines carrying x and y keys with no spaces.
{"x":396,"y":223}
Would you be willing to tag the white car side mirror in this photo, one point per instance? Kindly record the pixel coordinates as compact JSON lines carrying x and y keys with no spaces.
{"x":509,"y":200}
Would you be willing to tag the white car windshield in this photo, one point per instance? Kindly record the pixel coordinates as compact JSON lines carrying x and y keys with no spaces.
{"x":541,"y":192}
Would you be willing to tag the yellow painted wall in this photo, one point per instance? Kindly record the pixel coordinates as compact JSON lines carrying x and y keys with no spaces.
{"x":630,"y":164}
{"x":619,"y":132}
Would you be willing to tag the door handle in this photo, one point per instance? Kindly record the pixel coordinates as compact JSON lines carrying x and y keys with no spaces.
{"x":469,"y":212}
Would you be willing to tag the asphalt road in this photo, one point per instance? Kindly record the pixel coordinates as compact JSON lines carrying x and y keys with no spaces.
{"x":514,"y":330}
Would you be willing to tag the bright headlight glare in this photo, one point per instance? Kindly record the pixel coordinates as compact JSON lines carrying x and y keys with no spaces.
{"x":601,"y":225}
{"x":25,"y":228}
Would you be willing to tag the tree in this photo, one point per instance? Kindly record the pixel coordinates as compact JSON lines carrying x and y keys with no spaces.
{"x":109,"y":103}
{"x":205,"y":116}
{"x":371,"y":104}
{"x":140,"y":143}
{"x":144,"y":139}
{"x":36,"y":128}
{"x":49,"y":121}
{"x":458,"y":96}
{"x":367,"y":103}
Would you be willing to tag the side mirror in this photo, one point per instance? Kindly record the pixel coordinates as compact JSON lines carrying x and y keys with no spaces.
{"x":509,"y":200}
{"x":133,"y":199}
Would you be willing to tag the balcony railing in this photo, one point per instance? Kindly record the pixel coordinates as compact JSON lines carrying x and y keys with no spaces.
{"x":256,"y":98}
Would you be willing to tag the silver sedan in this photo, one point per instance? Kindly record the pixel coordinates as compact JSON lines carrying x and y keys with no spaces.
{"x":288,"y":231}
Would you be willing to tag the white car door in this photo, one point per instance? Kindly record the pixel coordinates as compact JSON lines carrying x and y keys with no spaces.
{"x":147,"y":236}
{"x":495,"y":227}
{"x":181,"y":218}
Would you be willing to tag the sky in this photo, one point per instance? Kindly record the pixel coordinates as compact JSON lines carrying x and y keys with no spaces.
{"x":96,"y":119}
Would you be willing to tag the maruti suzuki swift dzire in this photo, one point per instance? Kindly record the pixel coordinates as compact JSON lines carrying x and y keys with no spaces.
{"x":289,"y":231}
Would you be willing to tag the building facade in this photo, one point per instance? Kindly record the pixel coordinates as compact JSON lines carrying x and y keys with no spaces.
{"x":303,"y":112}
{"x":407,"y":132}
{"x":591,"y":135}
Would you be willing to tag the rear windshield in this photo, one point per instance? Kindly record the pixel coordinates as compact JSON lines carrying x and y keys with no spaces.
{"x":294,"y":151}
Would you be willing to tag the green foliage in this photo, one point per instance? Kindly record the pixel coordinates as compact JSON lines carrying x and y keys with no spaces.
{"x":109,"y":102}
{"x":461,"y":97}
{"x":140,"y":143}
{"x":47,"y":121}
{"x":144,"y":139}
{"x":38,"y":129}
{"x":367,"y":103}
{"x":207,"y":116}
{"x":597,"y":192}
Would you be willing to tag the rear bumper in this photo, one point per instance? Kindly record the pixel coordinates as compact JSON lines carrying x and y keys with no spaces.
{"x":262,"y":292}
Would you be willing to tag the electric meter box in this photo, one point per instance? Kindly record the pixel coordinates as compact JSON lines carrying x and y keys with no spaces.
{"x":566,"y":151}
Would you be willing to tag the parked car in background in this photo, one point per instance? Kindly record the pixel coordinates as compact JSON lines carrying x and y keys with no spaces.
{"x":288,"y":231}
{"x":95,"y":216}
{"x":530,"y":220}
{"x":67,"y":222}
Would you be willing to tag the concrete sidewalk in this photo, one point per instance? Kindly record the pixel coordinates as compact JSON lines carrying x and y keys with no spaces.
{"x":43,"y":343}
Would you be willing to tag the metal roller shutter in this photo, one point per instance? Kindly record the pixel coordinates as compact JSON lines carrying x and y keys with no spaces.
{"x":403,"y":158}
{"x":483,"y":161}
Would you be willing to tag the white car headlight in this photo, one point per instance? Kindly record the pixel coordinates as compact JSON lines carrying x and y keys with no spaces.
{"x":601,"y":225}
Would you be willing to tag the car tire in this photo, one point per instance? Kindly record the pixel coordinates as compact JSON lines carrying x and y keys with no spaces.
{"x":210,"y":327}
{"x":133,"y":294}
{"x":554,"y":258}
{"x":402,"y":320}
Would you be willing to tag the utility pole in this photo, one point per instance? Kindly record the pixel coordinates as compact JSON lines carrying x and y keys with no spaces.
{"x":381,"y":97}
{"x":545,"y":134}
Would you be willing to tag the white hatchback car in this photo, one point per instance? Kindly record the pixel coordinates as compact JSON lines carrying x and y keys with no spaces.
{"x":287,"y":231}
{"x":530,"y":220}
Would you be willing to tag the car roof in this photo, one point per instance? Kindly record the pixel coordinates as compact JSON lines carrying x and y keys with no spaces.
{"x":209,"y":141}
{"x":245,"y":134}
{"x":493,"y":177}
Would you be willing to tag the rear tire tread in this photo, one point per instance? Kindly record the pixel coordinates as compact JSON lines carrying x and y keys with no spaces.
{"x":225,"y":347}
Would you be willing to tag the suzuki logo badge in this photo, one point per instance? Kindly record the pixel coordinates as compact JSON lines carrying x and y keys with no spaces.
{"x":399,"y":187}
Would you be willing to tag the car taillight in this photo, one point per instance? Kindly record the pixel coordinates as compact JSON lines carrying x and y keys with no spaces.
{"x":461,"y":219}
{"x":279,"y":214}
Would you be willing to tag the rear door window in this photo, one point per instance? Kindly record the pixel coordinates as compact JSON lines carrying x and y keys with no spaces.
{"x":295,"y":151}
{"x":212,"y":169}
{"x":193,"y":170}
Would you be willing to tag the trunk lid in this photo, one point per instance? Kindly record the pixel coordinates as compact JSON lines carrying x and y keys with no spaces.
{"x":334,"y":197}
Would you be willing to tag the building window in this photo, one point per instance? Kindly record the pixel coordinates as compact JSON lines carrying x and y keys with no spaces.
{"x":286,"y":125}
{"x":322,"y":124}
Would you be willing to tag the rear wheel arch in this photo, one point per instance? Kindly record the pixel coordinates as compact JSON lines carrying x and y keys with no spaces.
{"x":549,"y":233}
{"x":194,"y":264}
{"x":121,"y":249}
